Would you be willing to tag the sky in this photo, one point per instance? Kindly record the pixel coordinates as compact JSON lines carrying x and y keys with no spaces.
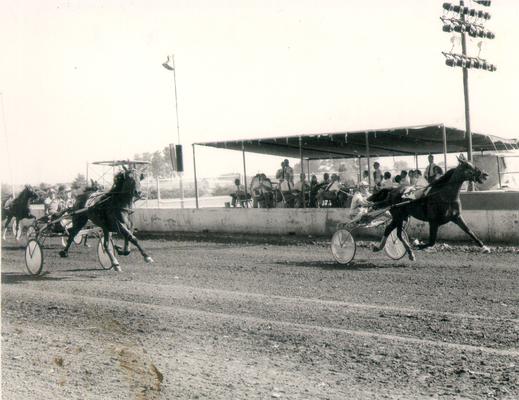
{"x":82,"y":81}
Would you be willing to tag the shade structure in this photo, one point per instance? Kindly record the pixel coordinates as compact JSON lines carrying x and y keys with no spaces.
{"x":402,"y":141}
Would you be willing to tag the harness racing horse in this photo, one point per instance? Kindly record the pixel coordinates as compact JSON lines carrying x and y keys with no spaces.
{"x":19,"y":209}
{"x":110,"y":211}
{"x":440,"y":204}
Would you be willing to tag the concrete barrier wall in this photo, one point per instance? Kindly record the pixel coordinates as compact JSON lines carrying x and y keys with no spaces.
{"x":492,"y":226}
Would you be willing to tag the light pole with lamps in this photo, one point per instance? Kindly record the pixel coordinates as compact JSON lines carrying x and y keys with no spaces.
{"x":172,"y":68}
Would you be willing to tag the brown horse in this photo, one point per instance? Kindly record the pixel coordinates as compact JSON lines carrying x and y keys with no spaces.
{"x":19,"y":209}
{"x":110,"y":211}
{"x":440,"y":204}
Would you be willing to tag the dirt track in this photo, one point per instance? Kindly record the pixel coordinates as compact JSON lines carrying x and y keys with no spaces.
{"x":233,"y":318}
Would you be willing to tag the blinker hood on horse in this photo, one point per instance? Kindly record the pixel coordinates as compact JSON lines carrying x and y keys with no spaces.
{"x":439,"y":204}
{"x":110,"y":211}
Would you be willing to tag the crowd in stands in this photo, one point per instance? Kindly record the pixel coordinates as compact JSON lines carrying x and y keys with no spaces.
{"x":331,"y":191}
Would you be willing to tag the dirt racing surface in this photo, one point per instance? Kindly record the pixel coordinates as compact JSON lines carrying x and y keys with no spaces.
{"x":247,"y":318}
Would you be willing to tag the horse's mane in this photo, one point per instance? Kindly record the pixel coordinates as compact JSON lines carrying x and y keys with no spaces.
{"x":444,"y":178}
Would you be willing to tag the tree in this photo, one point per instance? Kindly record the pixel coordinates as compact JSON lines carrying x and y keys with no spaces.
{"x":78,"y":182}
{"x":401,"y":165}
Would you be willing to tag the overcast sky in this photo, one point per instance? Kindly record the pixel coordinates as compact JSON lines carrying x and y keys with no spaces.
{"x":82,"y":80}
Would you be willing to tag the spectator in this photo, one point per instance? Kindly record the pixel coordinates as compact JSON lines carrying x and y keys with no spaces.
{"x":301,"y":187}
{"x":238,"y":196}
{"x":386,"y":183}
{"x":398,"y":180}
{"x":438,"y":172}
{"x":429,"y":170}
{"x":52,"y":204}
{"x":420,"y":181}
{"x":377,"y":174}
{"x":404,"y":178}
{"x":359,"y":202}
{"x":412,"y":177}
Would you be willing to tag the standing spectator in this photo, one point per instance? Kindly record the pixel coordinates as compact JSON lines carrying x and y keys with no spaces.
{"x":429,"y":170}
{"x":314,"y":188}
{"x":377,"y":174}
{"x":301,"y":187}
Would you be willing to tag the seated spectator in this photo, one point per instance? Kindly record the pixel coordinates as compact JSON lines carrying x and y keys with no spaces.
{"x":359,"y":203}
{"x":387,"y":183}
{"x":412,"y":177}
{"x":438,"y":172}
{"x":314,"y":188}
{"x":52,"y":204}
{"x":301,"y":191}
{"x":329,"y":190}
{"x":398,"y":180}
{"x":404,"y":178}
{"x":420,"y":180}
{"x":238,"y":196}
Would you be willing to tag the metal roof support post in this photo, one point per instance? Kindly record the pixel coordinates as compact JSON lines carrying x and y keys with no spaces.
{"x":498,"y":171}
{"x":308,"y":168}
{"x":360,"y":170}
{"x":244,"y":171}
{"x":444,"y":137}
{"x":196,"y":181}
{"x":369,"y":158}
{"x":416,"y":160}
{"x":301,"y":175}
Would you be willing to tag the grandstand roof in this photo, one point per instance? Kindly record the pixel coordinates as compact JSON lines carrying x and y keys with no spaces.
{"x":402,"y":141}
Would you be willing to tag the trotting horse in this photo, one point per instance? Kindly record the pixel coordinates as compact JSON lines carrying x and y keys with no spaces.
{"x":110,"y":211}
{"x":19,"y":209}
{"x":440,"y":204}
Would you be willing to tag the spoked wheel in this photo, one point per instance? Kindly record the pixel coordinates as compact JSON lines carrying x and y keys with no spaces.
{"x":102,"y":255}
{"x":34,"y":257}
{"x":394,"y":247}
{"x":343,"y":246}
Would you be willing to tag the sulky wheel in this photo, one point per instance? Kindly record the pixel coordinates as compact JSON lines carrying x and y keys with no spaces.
{"x":343,"y":246}
{"x":394,"y":247}
{"x":102,"y":255}
{"x":34,"y":257}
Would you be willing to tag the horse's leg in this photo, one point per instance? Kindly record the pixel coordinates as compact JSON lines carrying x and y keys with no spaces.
{"x":387,"y":232}
{"x":18,"y":229}
{"x":128,"y":235}
{"x":8,"y":219}
{"x":106,"y":241}
{"x":433,"y":233}
{"x":403,"y":239}
{"x":77,"y":224}
{"x":463,"y":225}
{"x":123,"y":251}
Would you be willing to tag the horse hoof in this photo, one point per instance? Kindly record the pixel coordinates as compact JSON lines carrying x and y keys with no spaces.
{"x":412,"y":257}
{"x":116,"y":268}
{"x":376,"y":248}
{"x":485,"y":250}
{"x":63,"y":254}
{"x":148,"y":259}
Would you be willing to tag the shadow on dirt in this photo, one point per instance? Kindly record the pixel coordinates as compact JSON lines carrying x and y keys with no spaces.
{"x":13,"y":247}
{"x":15,"y":277}
{"x":332,"y":265}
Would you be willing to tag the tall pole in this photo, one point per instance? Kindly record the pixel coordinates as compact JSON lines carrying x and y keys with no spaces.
{"x":301,"y":175}
{"x":178,"y":128}
{"x":196,"y":181}
{"x":468,"y":132}
{"x":244,"y":171}
{"x":369,"y":158}
{"x":444,"y":139}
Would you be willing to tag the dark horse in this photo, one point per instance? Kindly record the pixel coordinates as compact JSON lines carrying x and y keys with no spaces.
{"x":110,"y":211}
{"x":440,"y":204}
{"x":19,"y":209}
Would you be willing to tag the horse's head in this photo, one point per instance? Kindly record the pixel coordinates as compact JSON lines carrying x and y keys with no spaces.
{"x":128,"y":182}
{"x":30,"y":193}
{"x":469,"y":171}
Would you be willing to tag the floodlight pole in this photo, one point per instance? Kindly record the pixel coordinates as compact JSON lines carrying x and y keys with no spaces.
{"x":468,"y":132}
{"x":178,"y":124}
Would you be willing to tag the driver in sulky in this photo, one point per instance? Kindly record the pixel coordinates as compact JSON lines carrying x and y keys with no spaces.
{"x":359,"y":203}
